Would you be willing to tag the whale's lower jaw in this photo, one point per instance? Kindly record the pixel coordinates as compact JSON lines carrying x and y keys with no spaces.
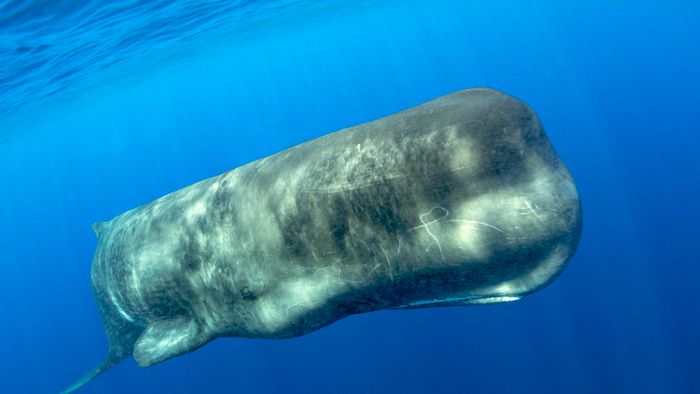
{"x":491,"y":300}
{"x":461,"y":301}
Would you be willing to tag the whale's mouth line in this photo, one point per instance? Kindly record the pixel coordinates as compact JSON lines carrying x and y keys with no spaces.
{"x":467,"y":300}
{"x":493,"y":299}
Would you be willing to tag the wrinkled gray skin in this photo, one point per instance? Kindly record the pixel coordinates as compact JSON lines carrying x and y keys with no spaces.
{"x":458,"y":201}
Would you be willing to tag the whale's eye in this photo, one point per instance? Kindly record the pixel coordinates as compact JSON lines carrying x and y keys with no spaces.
{"x":247,"y":294}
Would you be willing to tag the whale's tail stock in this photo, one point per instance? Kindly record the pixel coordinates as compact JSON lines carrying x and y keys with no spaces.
{"x":110,"y":361}
{"x":121,"y":332}
{"x":121,"y":335}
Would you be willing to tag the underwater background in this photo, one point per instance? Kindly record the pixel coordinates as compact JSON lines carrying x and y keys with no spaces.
{"x":106,"y":105}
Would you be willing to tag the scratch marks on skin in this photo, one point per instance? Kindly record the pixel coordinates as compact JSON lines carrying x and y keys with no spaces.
{"x":292,"y":306}
{"x":427,"y":228}
{"x":388,"y":264}
{"x":527,"y":203}
{"x":425,"y":225}
{"x":479,"y":223}
{"x":442,"y":218}
{"x":339,"y":273}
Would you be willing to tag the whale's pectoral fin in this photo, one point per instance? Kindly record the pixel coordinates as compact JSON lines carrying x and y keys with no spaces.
{"x":164,"y":339}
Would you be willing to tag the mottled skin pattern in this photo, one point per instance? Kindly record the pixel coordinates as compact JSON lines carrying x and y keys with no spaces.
{"x":458,"y":201}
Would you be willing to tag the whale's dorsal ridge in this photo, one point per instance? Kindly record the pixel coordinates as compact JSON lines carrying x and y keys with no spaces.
{"x":98,"y":228}
{"x":165,"y":339}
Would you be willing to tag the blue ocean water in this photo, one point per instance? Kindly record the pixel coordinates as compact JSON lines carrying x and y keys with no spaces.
{"x":105,"y":106}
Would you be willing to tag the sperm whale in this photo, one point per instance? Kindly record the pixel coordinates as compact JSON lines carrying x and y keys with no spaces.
{"x":458,"y":201}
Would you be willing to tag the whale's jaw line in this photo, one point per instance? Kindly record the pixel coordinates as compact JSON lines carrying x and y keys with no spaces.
{"x":467,"y":300}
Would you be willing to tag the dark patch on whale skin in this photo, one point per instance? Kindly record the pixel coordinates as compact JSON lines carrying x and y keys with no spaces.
{"x":339,"y":226}
{"x":295,"y":229}
{"x":193,"y":254}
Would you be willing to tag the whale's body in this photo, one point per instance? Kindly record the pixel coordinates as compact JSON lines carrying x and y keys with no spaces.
{"x":458,"y":201}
